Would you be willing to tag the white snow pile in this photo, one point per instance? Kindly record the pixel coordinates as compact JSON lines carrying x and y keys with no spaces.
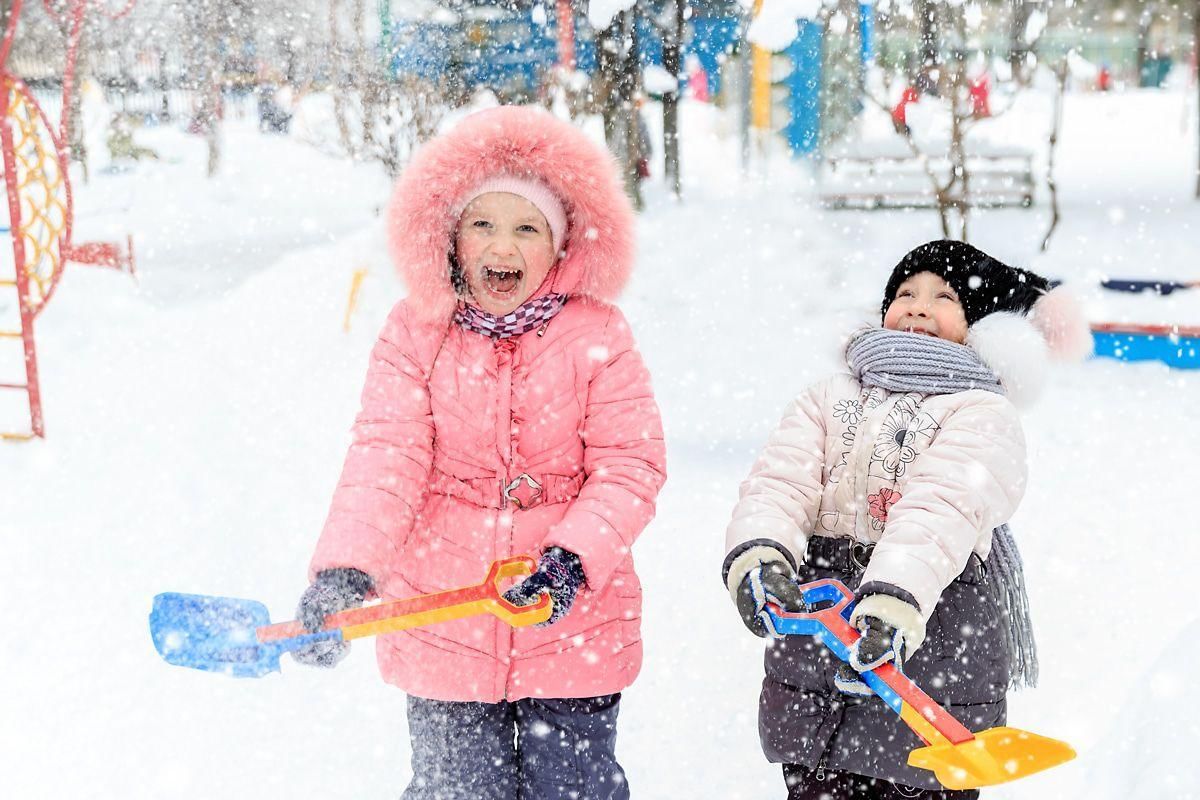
{"x":775,"y":26}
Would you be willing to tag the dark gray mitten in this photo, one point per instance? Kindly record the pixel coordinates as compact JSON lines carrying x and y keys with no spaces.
{"x":559,"y":574}
{"x":772,"y":582}
{"x":879,"y":644}
{"x":334,"y":590}
{"x":892,"y":629}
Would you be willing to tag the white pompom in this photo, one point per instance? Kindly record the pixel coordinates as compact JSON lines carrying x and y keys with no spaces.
{"x":1013,"y":349}
{"x":1058,"y":316}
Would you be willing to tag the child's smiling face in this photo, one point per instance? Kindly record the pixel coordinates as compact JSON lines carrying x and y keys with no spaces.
{"x":927,"y":305}
{"x":504,"y":249}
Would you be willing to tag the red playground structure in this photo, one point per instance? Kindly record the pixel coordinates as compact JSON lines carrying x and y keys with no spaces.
{"x":40,"y":213}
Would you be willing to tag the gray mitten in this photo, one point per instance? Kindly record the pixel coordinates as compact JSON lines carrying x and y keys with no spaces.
{"x":757,"y":573}
{"x":892,"y":629}
{"x":334,"y":590}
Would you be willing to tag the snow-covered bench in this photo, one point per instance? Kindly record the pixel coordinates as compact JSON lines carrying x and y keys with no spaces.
{"x":886,"y":174}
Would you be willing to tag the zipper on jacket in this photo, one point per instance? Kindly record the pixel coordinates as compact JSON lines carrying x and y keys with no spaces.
{"x":505,"y":356}
{"x":820,"y":773}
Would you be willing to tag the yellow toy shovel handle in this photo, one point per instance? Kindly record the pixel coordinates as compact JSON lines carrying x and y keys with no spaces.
{"x":426,"y":609}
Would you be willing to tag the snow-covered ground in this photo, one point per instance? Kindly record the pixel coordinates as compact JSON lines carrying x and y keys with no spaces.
{"x":197,"y":420}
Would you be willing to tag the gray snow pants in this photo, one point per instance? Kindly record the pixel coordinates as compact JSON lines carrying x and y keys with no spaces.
{"x":532,"y":749}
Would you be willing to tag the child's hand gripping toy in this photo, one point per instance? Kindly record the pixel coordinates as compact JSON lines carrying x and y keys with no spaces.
{"x":224,"y":634}
{"x":960,"y":759}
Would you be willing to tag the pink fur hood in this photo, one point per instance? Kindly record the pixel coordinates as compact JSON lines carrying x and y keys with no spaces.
{"x":526,"y":142}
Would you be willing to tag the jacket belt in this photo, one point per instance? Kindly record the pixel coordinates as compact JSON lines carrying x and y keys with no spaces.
{"x":845,"y":555}
{"x":520,"y":491}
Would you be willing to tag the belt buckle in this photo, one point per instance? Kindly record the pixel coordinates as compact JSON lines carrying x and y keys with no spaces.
{"x":526,"y":497}
{"x":857,"y":548}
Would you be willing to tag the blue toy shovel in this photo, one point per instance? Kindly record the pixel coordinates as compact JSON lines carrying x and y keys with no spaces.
{"x":236,"y":637}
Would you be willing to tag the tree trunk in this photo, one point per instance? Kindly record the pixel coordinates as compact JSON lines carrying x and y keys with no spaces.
{"x":617,"y":83}
{"x":928,"y":11}
{"x":208,"y":21}
{"x":1061,"y":74}
{"x":631,"y":73}
{"x":1145,"y":18}
{"x":164,"y":85}
{"x":1018,"y":48}
{"x":211,"y":106}
{"x":958,"y":189}
{"x":78,"y":144}
{"x":608,"y":77}
{"x":673,"y":64}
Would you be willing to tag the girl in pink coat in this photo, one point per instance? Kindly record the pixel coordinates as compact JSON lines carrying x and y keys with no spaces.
{"x":506,"y":411}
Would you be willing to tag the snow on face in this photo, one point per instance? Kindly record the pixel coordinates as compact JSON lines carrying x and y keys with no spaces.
{"x":504,"y":249}
{"x":926,"y":304}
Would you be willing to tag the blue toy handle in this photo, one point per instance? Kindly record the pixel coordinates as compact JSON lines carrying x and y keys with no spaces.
{"x":819,"y":624}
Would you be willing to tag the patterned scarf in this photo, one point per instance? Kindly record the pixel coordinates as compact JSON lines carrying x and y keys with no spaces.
{"x":533,"y":313}
{"x":904,"y":362}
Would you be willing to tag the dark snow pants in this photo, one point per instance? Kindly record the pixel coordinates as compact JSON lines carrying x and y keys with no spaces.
{"x":532,"y":749}
{"x":808,"y":784}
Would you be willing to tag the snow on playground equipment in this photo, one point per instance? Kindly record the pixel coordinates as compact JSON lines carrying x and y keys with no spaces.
{"x":959,"y":758}
{"x":1174,"y":345}
{"x":40,"y":211}
{"x":236,"y":637}
{"x":885,"y":174}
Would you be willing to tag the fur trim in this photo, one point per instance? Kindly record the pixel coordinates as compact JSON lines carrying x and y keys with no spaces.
{"x":748,"y":560}
{"x":894,"y":612}
{"x":1015,"y":351}
{"x":1058,"y":315}
{"x":525,"y":142}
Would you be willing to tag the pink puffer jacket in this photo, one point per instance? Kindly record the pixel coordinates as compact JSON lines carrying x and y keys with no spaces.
{"x":450,"y":417}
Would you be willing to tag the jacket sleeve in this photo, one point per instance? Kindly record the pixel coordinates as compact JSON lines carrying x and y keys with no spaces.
{"x":624,"y":459}
{"x":969,"y":480}
{"x":780,"y":499}
{"x":387,"y":467}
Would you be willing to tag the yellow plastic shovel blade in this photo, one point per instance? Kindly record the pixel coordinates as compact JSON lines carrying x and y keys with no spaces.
{"x":997,"y":755}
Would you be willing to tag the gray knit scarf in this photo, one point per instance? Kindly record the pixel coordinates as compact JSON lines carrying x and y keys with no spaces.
{"x":906,"y":362}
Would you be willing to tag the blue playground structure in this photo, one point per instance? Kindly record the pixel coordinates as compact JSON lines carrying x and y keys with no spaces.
{"x":511,"y":51}
{"x":1174,"y":345}
{"x":489,"y":47}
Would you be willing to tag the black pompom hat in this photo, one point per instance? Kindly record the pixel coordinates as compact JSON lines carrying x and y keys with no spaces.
{"x":984,"y":284}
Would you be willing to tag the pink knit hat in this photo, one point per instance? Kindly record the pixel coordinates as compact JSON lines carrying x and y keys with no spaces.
{"x":532,"y":190}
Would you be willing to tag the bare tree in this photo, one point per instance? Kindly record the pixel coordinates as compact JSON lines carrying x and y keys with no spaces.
{"x":1061,"y":73}
{"x":1018,"y":48}
{"x":944,"y":70}
{"x":339,"y":80}
{"x":841,"y":70}
{"x":670,"y":30}
{"x":617,"y":79}
{"x":380,"y":116}
{"x":208,"y":24}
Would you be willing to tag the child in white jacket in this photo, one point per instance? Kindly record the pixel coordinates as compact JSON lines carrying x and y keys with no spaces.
{"x":898,"y":479}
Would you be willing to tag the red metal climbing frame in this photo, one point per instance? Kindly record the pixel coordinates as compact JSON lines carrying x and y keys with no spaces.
{"x":38,"y":193}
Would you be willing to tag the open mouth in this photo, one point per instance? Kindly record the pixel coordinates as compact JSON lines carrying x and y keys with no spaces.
{"x":911,"y":329}
{"x":502,"y":281}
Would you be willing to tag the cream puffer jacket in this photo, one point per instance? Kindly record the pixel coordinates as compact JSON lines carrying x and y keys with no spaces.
{"x":928,"y":494}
